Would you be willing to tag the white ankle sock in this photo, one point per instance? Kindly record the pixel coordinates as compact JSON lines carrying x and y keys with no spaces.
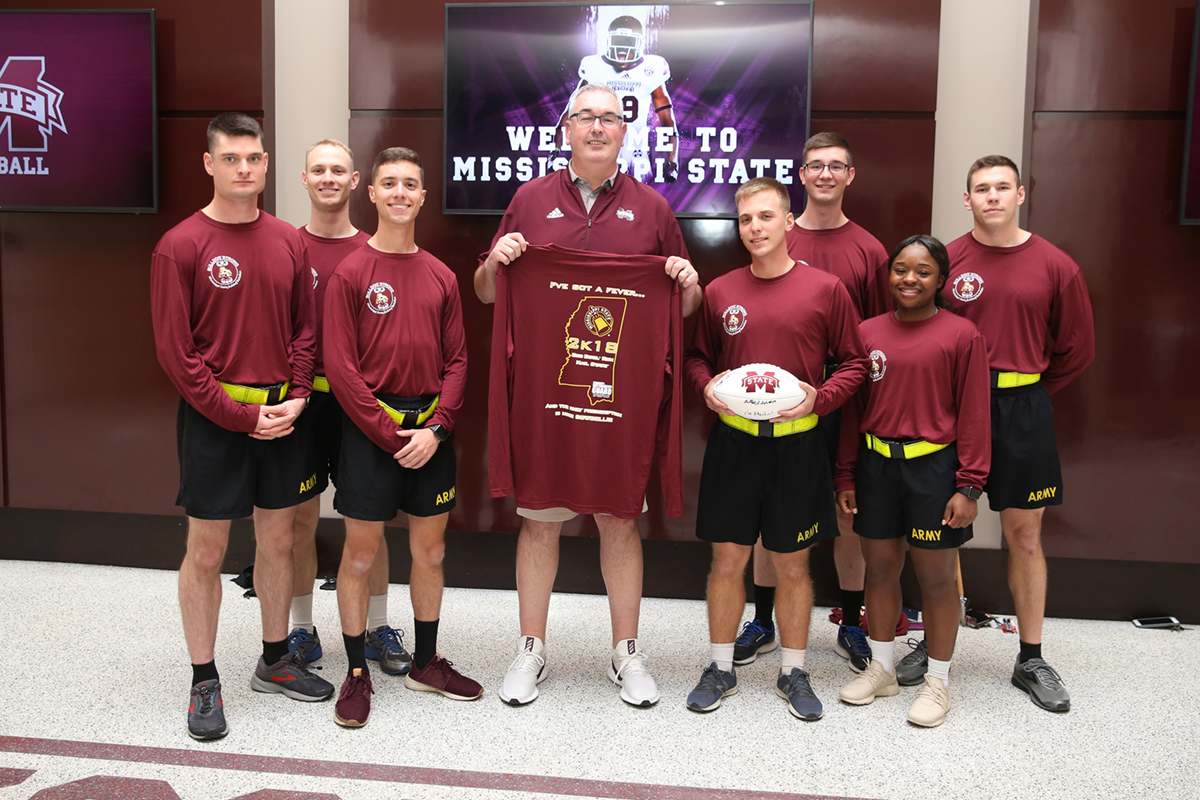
{"x":884,"y":653}
{"x":791,"y":659}
{"x":722,"y":655}
{"x":377,"y":611}
{"x":940,"y":669}
{"x":302,"y":612}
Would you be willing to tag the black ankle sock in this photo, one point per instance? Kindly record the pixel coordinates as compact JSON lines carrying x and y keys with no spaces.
{"x":426,"y":637}
{"x":356,"y":650}
{"x":852,"y":607}
{"x":1029,"y":651}
{"x":274,"y":652}
{"x":764,"y":604}
{"x":204,"y":672}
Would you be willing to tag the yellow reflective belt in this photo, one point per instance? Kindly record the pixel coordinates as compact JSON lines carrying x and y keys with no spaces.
{"x":252,"y":395}
{"x":1011,"y":380}
{"x":400,"y":417}
{"x":321,"y":384}
{"x":771,"y":429}
{"x":908,"y":450}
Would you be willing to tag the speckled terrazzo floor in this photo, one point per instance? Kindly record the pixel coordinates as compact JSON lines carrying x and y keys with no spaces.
{"x":95,"y":678}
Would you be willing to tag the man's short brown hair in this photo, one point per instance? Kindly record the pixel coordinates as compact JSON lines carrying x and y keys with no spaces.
{"x":232,"y":124}
{"x":827,"y":139}
{"x":987,"y":162}
{"x":756,"y":185}
{"x":394,"y":154}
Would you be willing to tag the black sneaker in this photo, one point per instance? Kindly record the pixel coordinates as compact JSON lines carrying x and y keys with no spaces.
{"x":291,"y":677}
{"x":385,"y":644}
{"x":912,"y":668}
{"x":206,"y":712}
{"x":307,"y":644}
{"x":755,"y":638}
{"x":1039,"y":680}
{"x":852,"y":645}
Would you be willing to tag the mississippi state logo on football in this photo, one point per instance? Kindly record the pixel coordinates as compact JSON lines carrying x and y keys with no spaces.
{"x":224,"y":272}
{"x":734,"y":319}
{"x":599,"y":320}
{"x":878,"y":364}
{"x":766,"y":382}
{"x":968,"y":287}
{"x":381,"y":297}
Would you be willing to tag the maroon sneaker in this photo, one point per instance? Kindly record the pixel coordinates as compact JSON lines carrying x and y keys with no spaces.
{"x":354,"y":703}
{"x":440,"y":676}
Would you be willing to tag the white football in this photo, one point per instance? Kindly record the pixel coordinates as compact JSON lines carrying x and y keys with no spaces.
{"x":759,"y":391}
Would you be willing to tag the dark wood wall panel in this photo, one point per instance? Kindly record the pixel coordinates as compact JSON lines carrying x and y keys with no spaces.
{"x":1104,"y":186}
{"x":90,"y":417}
{"x":1113,"y":55}
{"x":867,"y":84}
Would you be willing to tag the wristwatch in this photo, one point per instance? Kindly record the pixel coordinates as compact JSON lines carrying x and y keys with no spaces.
{"x":440,"y":432}
{"x":973,"y":492}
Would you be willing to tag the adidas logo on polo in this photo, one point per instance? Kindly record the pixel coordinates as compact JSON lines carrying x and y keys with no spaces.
{"x":555,"y":214}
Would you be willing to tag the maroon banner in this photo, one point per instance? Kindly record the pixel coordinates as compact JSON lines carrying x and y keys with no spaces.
{"x":77,"y":111}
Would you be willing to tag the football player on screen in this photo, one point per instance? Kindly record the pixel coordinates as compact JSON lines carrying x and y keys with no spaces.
{"x":640,"y":82}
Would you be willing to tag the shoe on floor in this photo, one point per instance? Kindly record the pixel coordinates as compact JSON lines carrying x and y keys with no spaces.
{"x":440,"y":676}
{"x":206,"y":712}
{"x":873,"y":682}
{"x":354,"y":701}
{"x":305,"y":642}
{"x":715,"y":684}
{"x":1039,"y":680}
{"x":797,"y":690}
{"x":526,"y":671}
{"x":291,"y":677}
{"x":852,"y":645}
{"x":627,"y":669}
{"x":754,"y":640}
{"x":932,"y":703}
{"x":385,"y":644}
{"x":912,"y":668}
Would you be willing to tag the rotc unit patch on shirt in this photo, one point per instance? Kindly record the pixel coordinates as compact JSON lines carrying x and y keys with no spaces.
{"x":224,"y":272}
{"x":878,"y":365}
{"x":968,"y":286}
{"x":381,"y":297}
{"x":734,"y":319}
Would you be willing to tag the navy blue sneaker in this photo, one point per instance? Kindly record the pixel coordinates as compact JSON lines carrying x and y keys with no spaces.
{"x":307,"y":644}
{"x":715,"y":684}
{"x":802,"y":701}
{"x":755,"y":638}
{"x":852,"y":645}
{"x":385,"y":644}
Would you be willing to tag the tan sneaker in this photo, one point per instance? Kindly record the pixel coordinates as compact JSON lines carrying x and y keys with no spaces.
{"x":932,"y":703}
{"x":872,"y":682}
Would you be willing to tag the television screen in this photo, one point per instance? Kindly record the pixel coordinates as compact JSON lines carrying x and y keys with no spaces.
{"x":712,"y":94}
{"x":77,"y":111}
{"x":1189,"y":210}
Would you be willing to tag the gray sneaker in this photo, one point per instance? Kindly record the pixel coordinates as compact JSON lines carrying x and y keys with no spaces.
{"x":802,"y":700}
{"x":385,"y":644}
{"x":206,"y":712}
{"x":715,"y":684}
{"x":1039,"y":680}
{"x":912,"y":668}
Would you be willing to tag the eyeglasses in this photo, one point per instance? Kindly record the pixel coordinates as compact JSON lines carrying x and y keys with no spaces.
{"x":836,"y":168}
{"x":588,"y":119}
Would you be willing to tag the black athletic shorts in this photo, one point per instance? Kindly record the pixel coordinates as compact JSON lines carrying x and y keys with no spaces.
{"x":373,"y":486}
{"x":1025,"y":471}
{"x":779,"y":488}
{"x":830,"y":427}
{"x":225,"y":474}
{"x":321,"y":426}
{"x":907,"y":497}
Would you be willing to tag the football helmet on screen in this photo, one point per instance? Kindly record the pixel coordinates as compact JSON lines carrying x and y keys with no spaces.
{"x":626,"y":43}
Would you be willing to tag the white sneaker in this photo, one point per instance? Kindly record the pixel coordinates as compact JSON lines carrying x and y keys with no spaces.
{"x":527,"y":670}
{"x":628,"y":670}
